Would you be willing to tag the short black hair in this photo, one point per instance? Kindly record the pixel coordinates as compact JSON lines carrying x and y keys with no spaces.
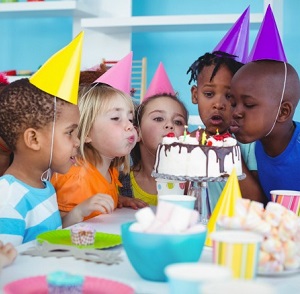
{"x":23,"y":105}
{"x":217,"y":58}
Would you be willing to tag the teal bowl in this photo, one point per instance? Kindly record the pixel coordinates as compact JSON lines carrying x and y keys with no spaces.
{"x":150,"y":253}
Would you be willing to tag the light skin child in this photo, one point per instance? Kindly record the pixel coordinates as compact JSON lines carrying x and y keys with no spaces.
{"x":107,"y":136}
{"x":156,"y":117}
{"x":8,"y":253}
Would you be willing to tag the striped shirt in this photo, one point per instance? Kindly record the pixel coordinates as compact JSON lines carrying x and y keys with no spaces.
{"x":25,"y":212}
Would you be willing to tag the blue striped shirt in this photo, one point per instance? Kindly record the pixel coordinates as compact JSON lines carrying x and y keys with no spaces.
{"x":25,"y":212}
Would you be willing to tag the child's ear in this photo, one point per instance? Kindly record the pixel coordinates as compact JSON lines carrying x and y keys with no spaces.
{"x":31,"y":139}
{"x":88,"y":139}
{"x":138,"y":134}
{"x":286,"y":111}
{"x":194,"y":94}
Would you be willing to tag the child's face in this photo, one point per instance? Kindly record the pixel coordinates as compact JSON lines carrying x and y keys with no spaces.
{"x":255,"y":103}
{"x":112,"y":133}
{"x":212,"y":98}
{"x":66,"y":140}
{"x":161,"y":116}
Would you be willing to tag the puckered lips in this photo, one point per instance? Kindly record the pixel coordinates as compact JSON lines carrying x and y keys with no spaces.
{"x":234,"y":127}
{"x":216,"y":119}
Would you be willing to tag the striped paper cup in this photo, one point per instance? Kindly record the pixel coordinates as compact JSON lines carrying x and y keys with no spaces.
{"x":288,"y":198}
{"x":238,"y":250}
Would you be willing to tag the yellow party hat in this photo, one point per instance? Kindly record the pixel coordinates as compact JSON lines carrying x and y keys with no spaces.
{"x":225,"y":205}
{"x":59,"y":75}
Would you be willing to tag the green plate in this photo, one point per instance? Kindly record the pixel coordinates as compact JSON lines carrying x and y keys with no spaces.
{"x":63,"y":237}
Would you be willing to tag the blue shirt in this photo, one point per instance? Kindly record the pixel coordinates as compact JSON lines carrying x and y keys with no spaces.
{"x":281,"y":172}
{"x":25,"y":212}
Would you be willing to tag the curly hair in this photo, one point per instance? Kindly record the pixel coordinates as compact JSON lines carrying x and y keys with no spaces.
{"x":139,"y":112}
{"x":23,"y":106}
{"x":217,"y":58}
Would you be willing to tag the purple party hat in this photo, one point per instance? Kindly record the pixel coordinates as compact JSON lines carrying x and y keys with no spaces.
{"x":236,"y":41}
{"x":267,"y":44}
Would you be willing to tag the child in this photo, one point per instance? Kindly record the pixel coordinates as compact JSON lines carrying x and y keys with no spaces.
{"x":160,"y":113}
{"x":213,"y":73}
{"x":41,"y":130}
{"x":265,"y":94}
{"x":8,"y":253}
{"x":5,"y":154}
{"x":107,"y":136}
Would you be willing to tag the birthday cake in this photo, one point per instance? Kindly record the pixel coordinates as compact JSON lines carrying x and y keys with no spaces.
{"x":187,"y":156}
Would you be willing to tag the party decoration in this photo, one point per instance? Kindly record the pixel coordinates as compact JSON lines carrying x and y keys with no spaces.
{"x":59,"y":75}
{"x":119,"y":76}
{"x":236,"y":41}
{"x":267,"y":44}
{"x":160,"y":83}
{"x":225,"y":205}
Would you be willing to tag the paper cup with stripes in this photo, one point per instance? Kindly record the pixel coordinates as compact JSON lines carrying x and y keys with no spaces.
{"x":238,"y":250}
{"x":288,"y":198}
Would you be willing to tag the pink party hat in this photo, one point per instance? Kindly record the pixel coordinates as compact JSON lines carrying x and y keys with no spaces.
{"x":119,"y":76}
{"x":236,"y":41}
{"x":268,"y":44}
{"x":160,"y":83}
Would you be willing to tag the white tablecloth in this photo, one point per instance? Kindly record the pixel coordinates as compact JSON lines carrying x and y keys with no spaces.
{"x":28,"y":266}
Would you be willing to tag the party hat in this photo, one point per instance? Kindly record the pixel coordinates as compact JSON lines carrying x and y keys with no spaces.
{"x":236,"y":41}
{"x":59,"y":75}
{"x":267,"y":44}
{"x":225,"y":205}
{"x":119,"y":76}
{"x":160,"y":83}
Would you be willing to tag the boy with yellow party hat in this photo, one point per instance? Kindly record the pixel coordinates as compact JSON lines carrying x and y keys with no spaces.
{"x":39,"y":118}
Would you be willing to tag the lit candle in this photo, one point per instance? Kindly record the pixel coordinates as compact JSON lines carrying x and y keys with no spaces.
{"x":217,"y":132}
{"x":198,"y":133}
{"x":203,"y":139}
{"x":184,"y":132}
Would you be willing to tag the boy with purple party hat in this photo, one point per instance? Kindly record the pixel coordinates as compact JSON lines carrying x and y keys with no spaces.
{"x":213,"y":73}
{"x":265,"y":94}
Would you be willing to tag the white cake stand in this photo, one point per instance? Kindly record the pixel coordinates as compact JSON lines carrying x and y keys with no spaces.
{"x":198,"y":188}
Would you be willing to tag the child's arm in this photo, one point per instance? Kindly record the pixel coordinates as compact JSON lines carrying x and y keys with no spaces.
{"x":8,"y":254}
{"x":99,"y":202}
{"x":131,"y":202}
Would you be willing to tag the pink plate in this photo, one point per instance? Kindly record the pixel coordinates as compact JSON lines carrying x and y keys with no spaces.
{"x":38,"y":285}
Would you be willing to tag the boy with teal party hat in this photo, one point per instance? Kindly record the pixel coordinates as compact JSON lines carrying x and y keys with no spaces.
{"x":265,"y":94}
{"x":39,"y":119}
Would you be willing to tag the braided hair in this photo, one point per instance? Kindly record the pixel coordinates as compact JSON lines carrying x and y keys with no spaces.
{"x":217,"y":58}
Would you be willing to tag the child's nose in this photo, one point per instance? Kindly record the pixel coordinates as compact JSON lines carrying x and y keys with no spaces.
{"x":169,"y":125}
{"x":129,"y":126}
{"x":77,"y":142}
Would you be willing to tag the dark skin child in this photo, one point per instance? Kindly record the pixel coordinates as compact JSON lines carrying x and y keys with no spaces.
{"x":256,"y":92}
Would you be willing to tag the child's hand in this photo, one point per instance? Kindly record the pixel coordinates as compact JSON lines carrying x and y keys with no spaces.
{"x":8,"y":254}
{"x":131,"y":202}
{"x":99,"y":202}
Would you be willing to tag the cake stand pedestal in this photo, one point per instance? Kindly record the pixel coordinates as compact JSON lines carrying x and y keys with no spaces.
{"x":198,"y":187}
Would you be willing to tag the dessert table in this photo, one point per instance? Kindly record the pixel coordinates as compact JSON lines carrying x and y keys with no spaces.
{"x":28,"y":266}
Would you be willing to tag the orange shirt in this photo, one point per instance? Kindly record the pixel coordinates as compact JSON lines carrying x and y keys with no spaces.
{"x":82,"y":182}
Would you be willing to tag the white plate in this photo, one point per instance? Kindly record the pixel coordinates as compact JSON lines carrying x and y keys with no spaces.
{"x":280,"y":274}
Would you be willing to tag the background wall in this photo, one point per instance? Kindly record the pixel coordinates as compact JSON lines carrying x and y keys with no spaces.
{"x":28,"y":43}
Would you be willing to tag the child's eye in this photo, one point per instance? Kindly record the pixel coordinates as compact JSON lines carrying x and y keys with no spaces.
{"x":178,"y":123}
{"x":158,"y":118}
{"x":228,"y":96}
{"x":249,"y":105}
{"x":115,"y":118}
{"x":208,"y":94}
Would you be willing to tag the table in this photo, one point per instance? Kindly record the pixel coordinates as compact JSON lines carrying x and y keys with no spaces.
{"x":28,"y":266}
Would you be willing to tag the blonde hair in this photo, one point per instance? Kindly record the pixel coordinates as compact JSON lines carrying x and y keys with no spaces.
{"x":95,"y":100}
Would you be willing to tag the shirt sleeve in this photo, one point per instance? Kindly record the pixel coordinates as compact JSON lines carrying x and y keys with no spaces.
{"x":248,"y":153}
